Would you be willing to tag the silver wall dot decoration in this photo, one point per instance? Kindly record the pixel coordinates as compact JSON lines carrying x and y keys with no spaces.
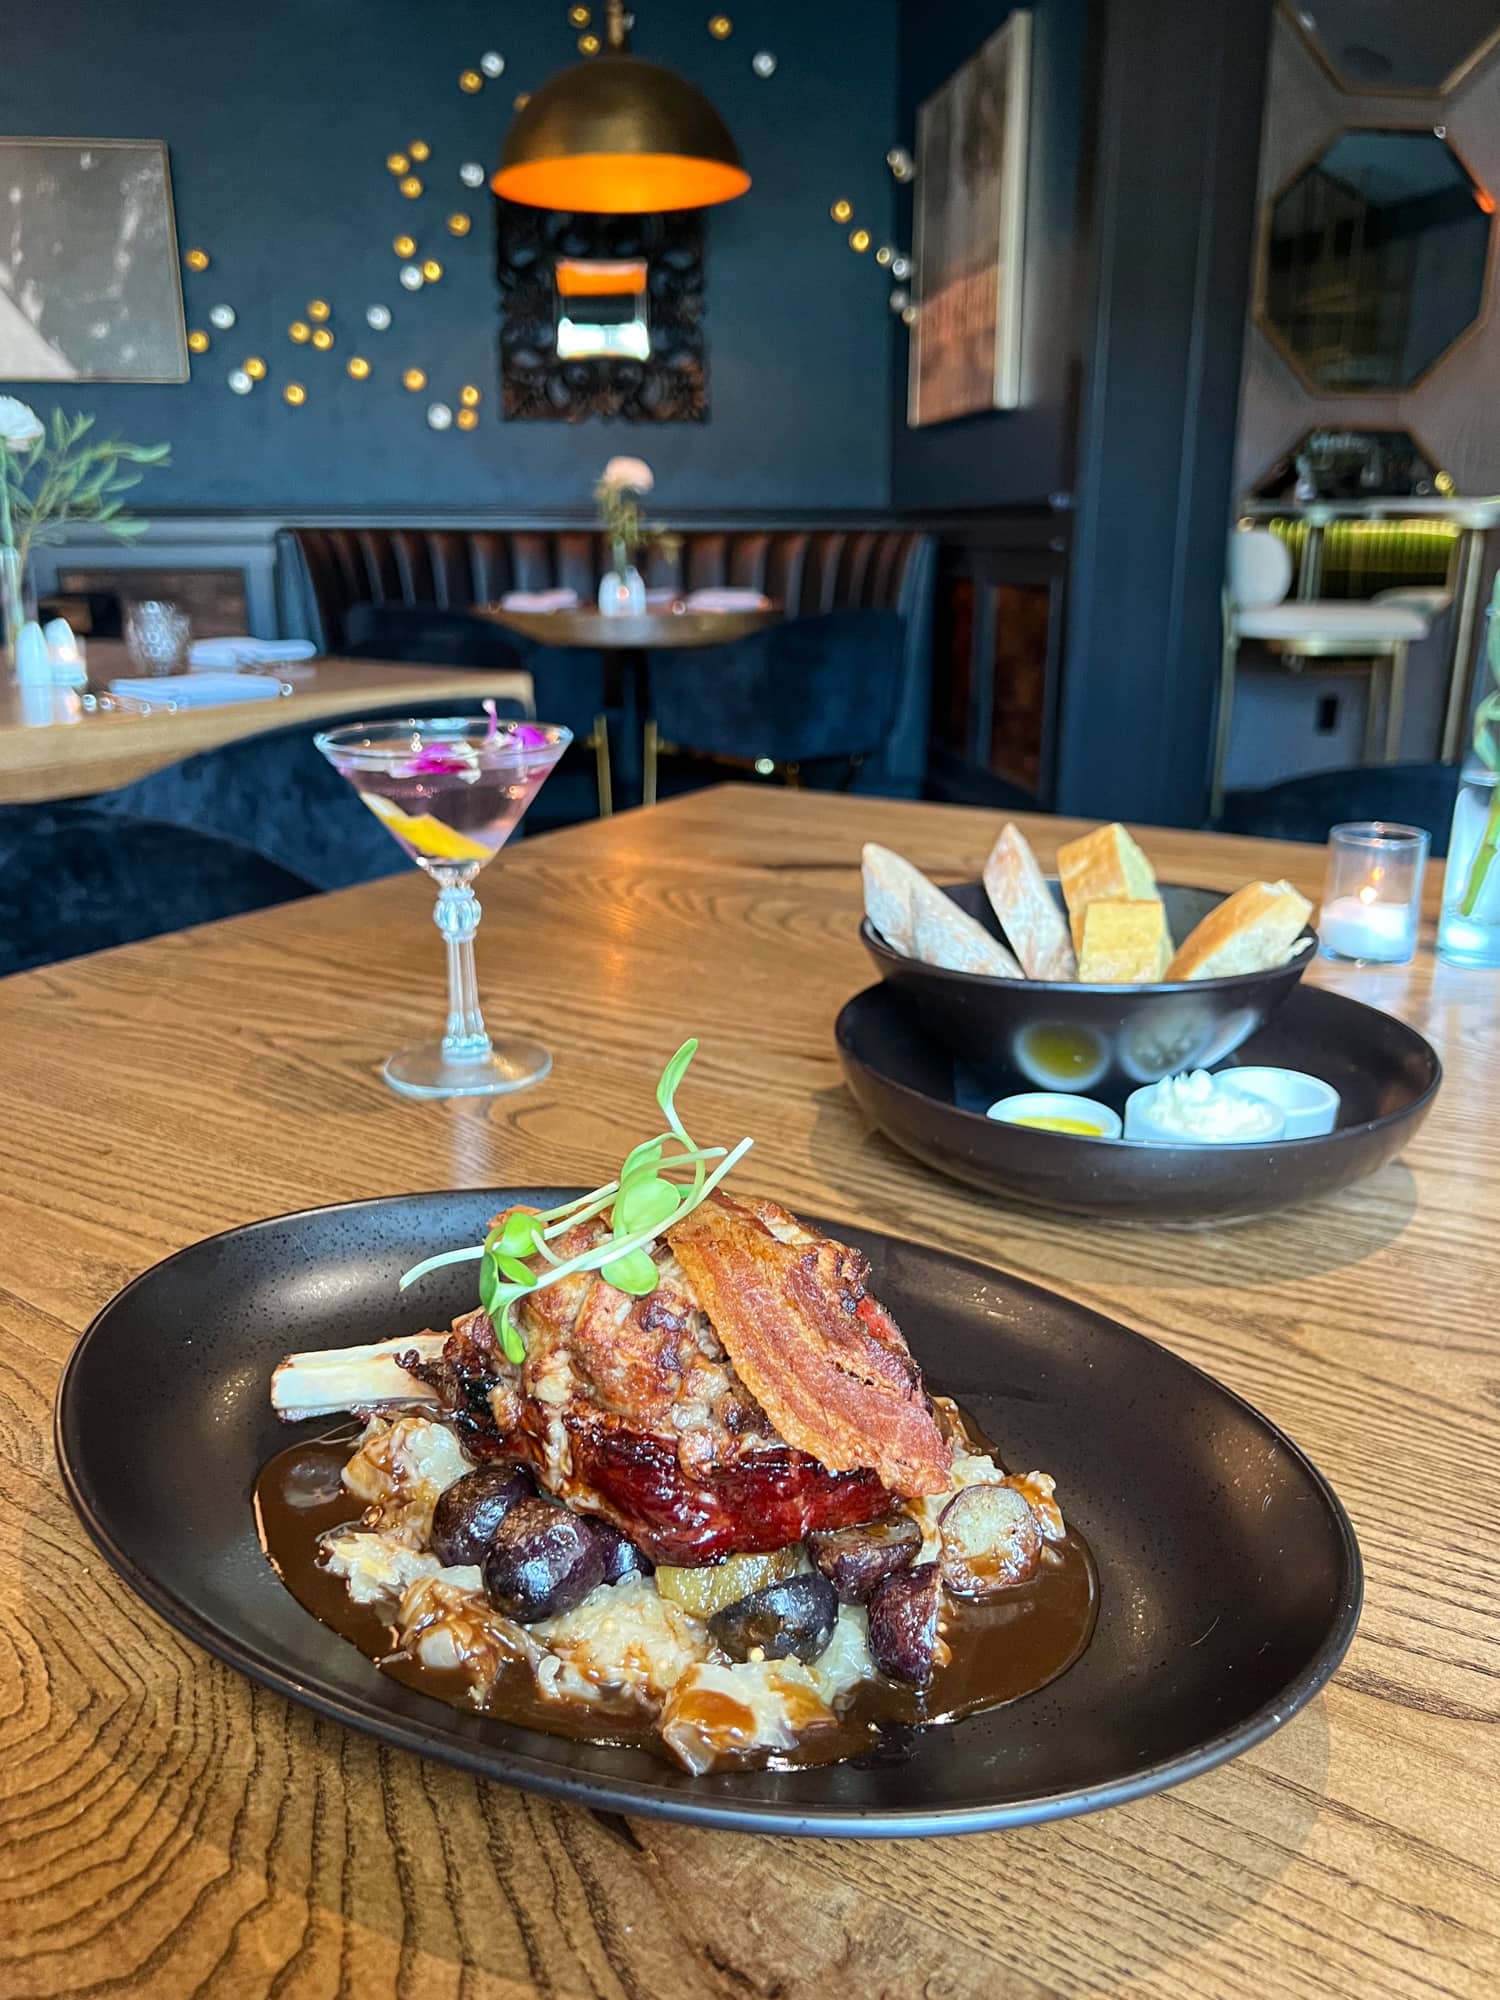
{"x":439,"y":416}
{"x":411,"y":277}
{"x":471,"y":174}
{"x":240,"y":382}
{"x":900,"y":266}
{"x":492,"y":63}
{"x":899,"y":162}
{"x":378,"y":316}
{"x":221,"y":317}
{"x":900,"y":300}
{"x":763,"y":63}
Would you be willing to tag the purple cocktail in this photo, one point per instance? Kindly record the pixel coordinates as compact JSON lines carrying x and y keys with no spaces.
{"x":451,"y":791}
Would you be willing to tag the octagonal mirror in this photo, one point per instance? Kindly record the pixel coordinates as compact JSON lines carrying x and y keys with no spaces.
{"x":1375,"y":260}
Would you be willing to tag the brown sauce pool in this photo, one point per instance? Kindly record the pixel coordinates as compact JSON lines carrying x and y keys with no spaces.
{"x":1000,"y":1651}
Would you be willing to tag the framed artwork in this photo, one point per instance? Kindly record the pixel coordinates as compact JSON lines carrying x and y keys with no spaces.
{"x":89,"y":285}
{"x":970,"y":227}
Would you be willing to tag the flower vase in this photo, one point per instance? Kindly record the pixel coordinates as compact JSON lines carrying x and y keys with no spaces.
{"x":622,"y":591}
{"x":13,"y":607}
{"x":1469,"y":927}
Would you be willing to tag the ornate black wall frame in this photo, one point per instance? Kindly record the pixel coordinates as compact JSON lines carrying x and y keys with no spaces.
{"x":536,"y":384}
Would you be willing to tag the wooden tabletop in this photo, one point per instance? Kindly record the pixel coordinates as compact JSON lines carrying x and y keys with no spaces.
{"x":167,"y":1828}
{"x":51,"y":747}
{"x":632,"y":632}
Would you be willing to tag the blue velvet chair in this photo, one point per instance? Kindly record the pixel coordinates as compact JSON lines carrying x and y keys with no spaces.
{"x":75,"y":879}
{"x":809,"y":700}
{"x":1305,"y":808}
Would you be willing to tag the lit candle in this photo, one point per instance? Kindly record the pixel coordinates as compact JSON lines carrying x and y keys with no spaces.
{"x":1373,"y":894}
{"x":1363,"y":927}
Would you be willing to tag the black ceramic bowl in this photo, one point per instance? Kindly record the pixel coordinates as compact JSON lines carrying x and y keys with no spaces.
{"x":1045,"y":1034}
{"x":907,"y":1083}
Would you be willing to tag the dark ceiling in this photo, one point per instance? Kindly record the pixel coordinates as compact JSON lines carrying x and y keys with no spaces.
{"x":1398,"y":44}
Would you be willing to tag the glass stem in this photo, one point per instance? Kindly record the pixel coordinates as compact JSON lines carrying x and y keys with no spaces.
{"x":457,"y":917}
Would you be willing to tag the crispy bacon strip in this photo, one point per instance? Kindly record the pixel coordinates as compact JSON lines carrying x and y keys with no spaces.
{"x":824,"y":1361}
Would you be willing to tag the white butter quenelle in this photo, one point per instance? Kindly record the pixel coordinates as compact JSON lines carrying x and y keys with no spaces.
{"x":1197,"y":1109}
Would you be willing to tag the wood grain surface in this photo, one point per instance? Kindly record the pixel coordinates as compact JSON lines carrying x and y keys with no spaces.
{"x":167,"y":1828}
{"x":53,"y":748}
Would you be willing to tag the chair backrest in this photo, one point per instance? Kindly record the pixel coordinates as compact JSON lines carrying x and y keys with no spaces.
{"x":74,"y":879}
{"x":1260,"y":569}
{"x":429,"y":636}
{"x":1304,"y":808}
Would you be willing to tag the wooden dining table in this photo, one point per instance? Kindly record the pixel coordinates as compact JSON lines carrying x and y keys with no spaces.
{"x":53,"y":746}
{"x":168,"y":1828}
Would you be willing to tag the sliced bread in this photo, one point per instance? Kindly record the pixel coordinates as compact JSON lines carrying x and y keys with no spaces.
{"x":918,"y":920}
{"x":1250,"y":931}
{"x":1027,"y":909}
{"x":1104,"y":864}
{"x":1124,"y":942}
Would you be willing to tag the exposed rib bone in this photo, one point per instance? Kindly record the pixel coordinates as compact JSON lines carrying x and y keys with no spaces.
{"x":332,"y":1379}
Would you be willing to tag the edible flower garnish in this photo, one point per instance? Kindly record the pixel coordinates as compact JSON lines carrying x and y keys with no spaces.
{"x":646,"y":1199}
{"x":463,"y":759}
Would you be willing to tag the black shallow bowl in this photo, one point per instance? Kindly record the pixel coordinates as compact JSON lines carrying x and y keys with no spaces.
{"x":1059,"y":1035}
{"x":906,"y":1082}
{"x":1230,"y":1577}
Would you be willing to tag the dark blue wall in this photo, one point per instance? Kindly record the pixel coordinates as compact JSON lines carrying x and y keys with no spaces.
{"x":1007,"y":457}
{"x":279,"y":117}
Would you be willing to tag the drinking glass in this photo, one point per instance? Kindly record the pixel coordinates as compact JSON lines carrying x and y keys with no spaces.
{"x":1372,"y":895}
{"x":156,"y":636}
{"x":451,"y":790}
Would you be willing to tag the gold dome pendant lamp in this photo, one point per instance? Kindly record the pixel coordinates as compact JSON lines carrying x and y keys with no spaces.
{"x":619,"y":136}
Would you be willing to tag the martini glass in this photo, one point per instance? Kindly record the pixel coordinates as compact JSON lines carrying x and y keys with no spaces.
{"x":451,"y":790}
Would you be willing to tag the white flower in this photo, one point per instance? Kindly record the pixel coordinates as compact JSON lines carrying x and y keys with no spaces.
{"x":20,"y":426}
{"x":633,"y":473}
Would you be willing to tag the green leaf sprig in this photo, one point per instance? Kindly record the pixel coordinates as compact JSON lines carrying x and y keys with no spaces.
{"x":647,"y":1198}
{"x":69,"y":476}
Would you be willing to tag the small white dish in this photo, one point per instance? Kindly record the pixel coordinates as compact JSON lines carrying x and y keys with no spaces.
{"x":1057,"y":1111}
{"x":1310,"y":1106}
{"x":1197,"y":1109}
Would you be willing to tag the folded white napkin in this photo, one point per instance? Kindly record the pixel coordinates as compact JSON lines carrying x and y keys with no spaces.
{"x":237,"y":652}
{"x":198,"y":690}
{"x":662,"y":600}
{"x":725,"y":599}
{"x":540,"y":600}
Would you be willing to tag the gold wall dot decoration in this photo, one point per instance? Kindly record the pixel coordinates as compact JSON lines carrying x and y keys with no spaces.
{"x":397,"y":163}
{"x":255,"y":368}
{"x":322,"y":339}
{"x":588,"y":45}
{"x":909,"y":316}
{"x":579,"y":16}
{"x":859,"y":239}
{"x":358,"y":367}
{"x":411,"y":187}
{"x":459,"y":225}
{"x":468,"y":395}
{"x":318,"y":309}
{"x":470,"y":81}
{"x":841,"y":210}
{"x":414,"y":379}
{"x":196,"y":260}
{"x":432,"y":270}
{"x":720,"y":27}
{"x":404,"y":246}
{"x":521,"y":101}
{"x":420,"y":150}
{"x":198,"y":341}
{"x":299,"y":330}
{"x":899,"y":162}
{"x":295,"y":394}
{"x":467,"y":420}
{"x":884,"y":255}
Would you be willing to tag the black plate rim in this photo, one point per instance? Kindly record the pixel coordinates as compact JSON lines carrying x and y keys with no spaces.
{"x":1257,"y":1150}
{"x":1228,"y":983}
{"x":627,"y":1795}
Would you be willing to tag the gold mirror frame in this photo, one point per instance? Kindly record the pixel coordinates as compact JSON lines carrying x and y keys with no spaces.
{"x":1261,"y":317}
{"x":1291,"y":12}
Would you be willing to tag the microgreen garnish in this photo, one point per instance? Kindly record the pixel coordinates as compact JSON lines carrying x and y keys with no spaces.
{"x":647,"y":1198}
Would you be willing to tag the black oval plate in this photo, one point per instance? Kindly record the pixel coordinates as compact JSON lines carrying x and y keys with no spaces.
{"x":907,"y":1083}
{"x":1230,"y":1577}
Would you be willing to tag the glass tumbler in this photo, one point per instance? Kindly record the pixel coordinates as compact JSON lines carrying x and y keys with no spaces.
{"x":1372,"y":899}
{"x":157,"y":634}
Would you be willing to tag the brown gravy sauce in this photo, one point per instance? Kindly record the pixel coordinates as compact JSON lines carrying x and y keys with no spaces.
{"x":1000,"y":1651}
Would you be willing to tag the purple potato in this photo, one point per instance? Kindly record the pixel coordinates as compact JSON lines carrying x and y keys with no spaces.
{"x":544,"y":1560}
{"x":621,"y":1556}
{"x":470,"y":1510}
{"x":904,"y":1624}
{"x":855,"y":1560}
{"x":991,"y":1541}
{"x":795,"y":1617}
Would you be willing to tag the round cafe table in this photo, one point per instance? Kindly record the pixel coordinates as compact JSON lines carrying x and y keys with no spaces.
{"x":624,"y":639}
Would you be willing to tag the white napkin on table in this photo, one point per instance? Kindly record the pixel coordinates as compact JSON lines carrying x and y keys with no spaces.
{"x":540,"y":600}
{"x":197,"y":690}
{"x":725,"y":599}
{"x":239,"y":652}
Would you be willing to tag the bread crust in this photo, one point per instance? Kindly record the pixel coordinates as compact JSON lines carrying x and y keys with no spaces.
{"x":1027,"y":909}
{"x":1251,"y":931}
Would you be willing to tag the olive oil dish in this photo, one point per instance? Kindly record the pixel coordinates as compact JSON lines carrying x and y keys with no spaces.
{"x":676,"y":1481}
